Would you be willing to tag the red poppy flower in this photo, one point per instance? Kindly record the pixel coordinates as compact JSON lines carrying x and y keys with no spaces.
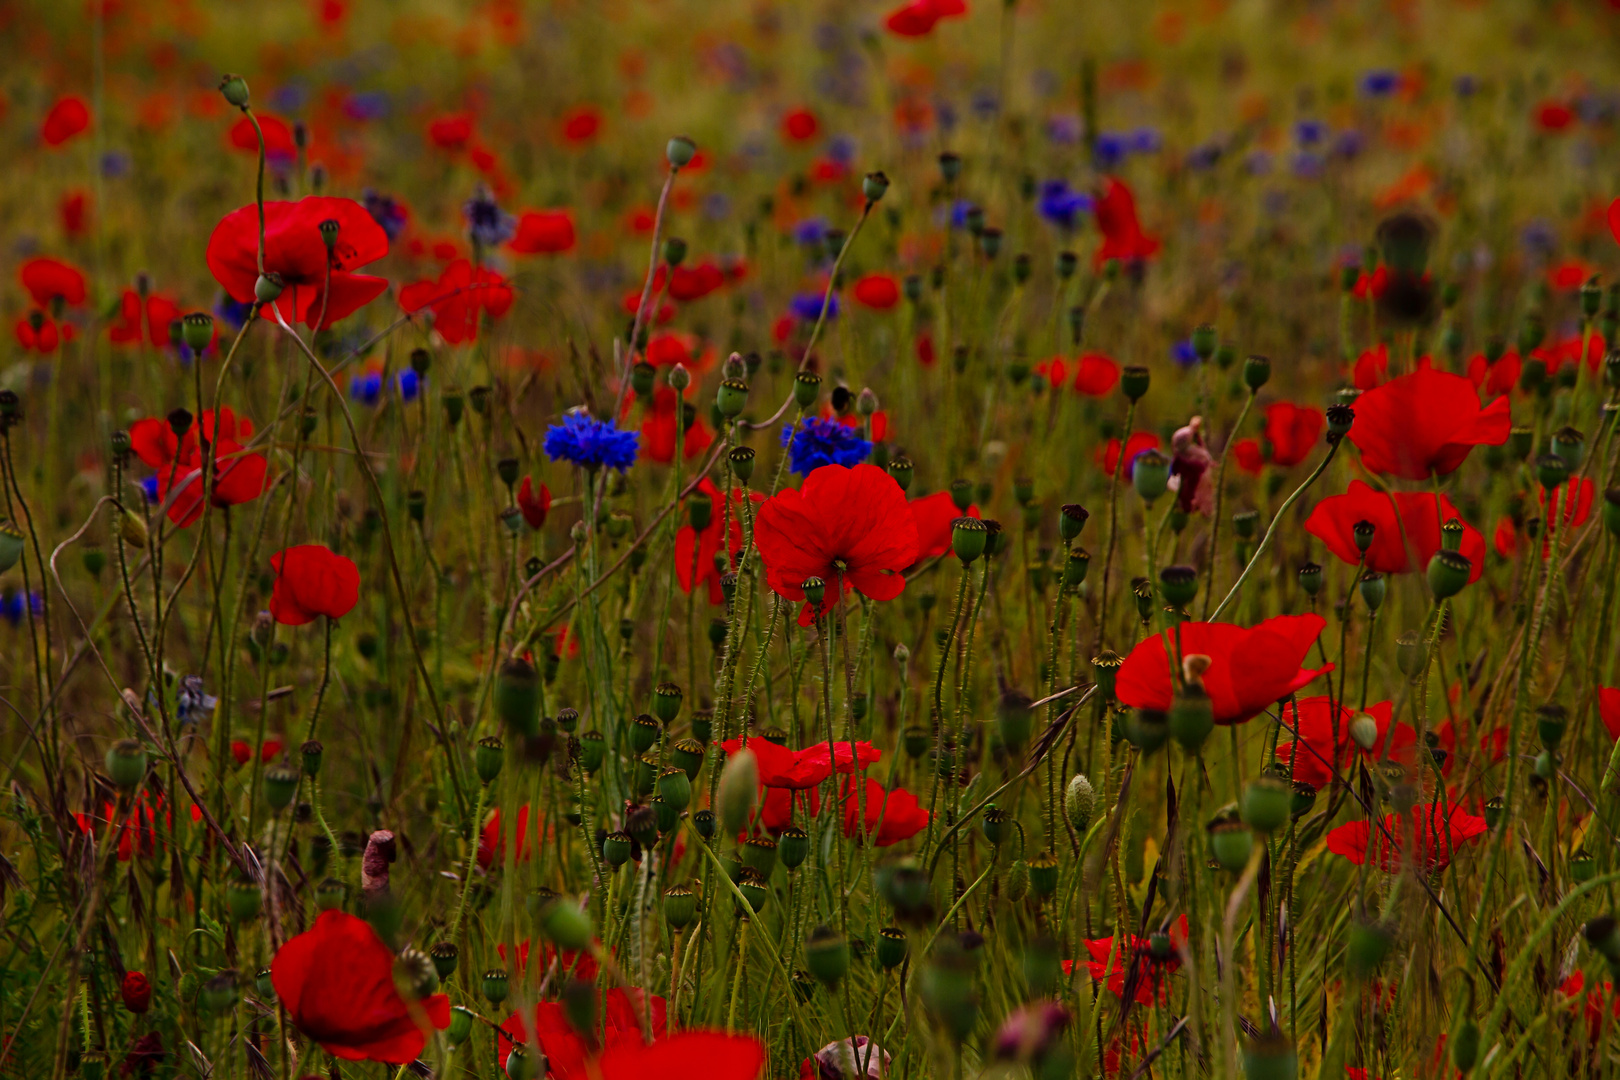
{"x":800,"y":125}
{"x":694,"y":551}
{"x":1596,"y":1003}
{"x":579,"y":963}
{"x":1313,"y":723}
{"x":918,"y":18}
{"x":136,"y":992}
{"x":336,"y":981}
{"x":50,"y":280}
{"x":279,"y":144}
{"x":160,"y":312}
{"x":671,"y":347}
{"x":581,"y":124}
{"x":74,"y":211}
{"x":534,"y":504}
{"x":1609,"y":709}
{"x":880,"y":423}
{"x":451,"y":132}
{"x":1505,"y":539}
{"x":691,"y":283}
{"x":1249,"y":456}
{"x":1108,"y":456}
{"x":1151,"y":983}
{"x":880,"y":292}
{"x":891,"y":816}
{"x":1498,"y":378}
{"x":694,"y":1054}
{"x":1251,"y":669}
{"x":1095,"y":375}
{"x":1293,"y":432}
{"x":543,"y":232}
{"x":1554,"y":116}
{"x":797,"y":770}
{"x":312,"y":580}
{"x":43,"y":339}
{"x":492,"y":839}
{"x":1574,"y":499}
{"x":138,"y":832}
{"x":295,"y":249}
{"x":1425,"y":422}
{"x":1372,"y":368}
{"x":924,"y":348}
{"x":1333,"y":521}
{"x":1122,"y":233}
{"x":567,"y":1053}
{"x":1055,"y":369}
{"x":239,"y":477}
{"x":459,"y":299}
{"x":658,"y":431}
{"x":67,"y":118}
{"x":1434,"y":833}
{"x":934,"y":515}
{"x":776,"y":807}
{"x":848,"y":526}
{"x":1371,"y":287}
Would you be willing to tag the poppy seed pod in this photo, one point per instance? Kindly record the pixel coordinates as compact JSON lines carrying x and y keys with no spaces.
{"x":739,"y":790}
{"x":1075,"y":567}
{"x":1204,"y":341}
{"x":1192,"y":716}
{"x":644,"y":732}
{"x":197,"y":330}
{"x":826,"y":955}
{"x":487,"y":759}
{"x":806,"y":388}
{"x":1552,"y":471}
{"x":680,"y":151}
{"x":993,"y":823}
{"x":494,"y":986}
{"x":1551,"y":721}
{"x":873,"y":186}
{"x":1570,"y":445}
{"x":517,"y":697}
{"x":1079,"y":800}
{"x":915,"y":741}
{"x":968,"y":537}
{"x":1133,"y":381}
{"x":1071,"y":519}
{"x":235,"y":90}
{"x":793,"y":847}
{"x":1411,"y":654}
{"x":1266,"y":804}
{"x":815,"y":590}
{"x":220,"y":994}
{"x":1373,"y":587}
{"x":280,"y":785}
{"x":1178,"y":585}
{"x":1339,"y":420}
{"x":1451,"y":535}
{"x":1369,"y":943}
{"x":1147,"y":729}
{"x":742,"y":463}
{"x":1448,"y":572}
{"x":1150,"y":475}
{"x":616,"y":848}
{"x":901,"y":470}
{"x":244,"y":899}
{"x":731,"y":398}
{"x":699,"y":510}
{"x":675,"y":788}
{"x":126,"y":764}
{"x":1043,"y":874}
{"x":1230,"y":840}
{"x":752,"y":886}
{"x":1105,"y":671}
{"x":1142,"y":591}
{"x":446,"y":956}
{"x":1363,"y":532}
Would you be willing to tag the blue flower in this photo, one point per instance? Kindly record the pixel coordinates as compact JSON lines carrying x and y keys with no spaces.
{"x":1144,"y":140}
{"x":1348,"y":144}
{"x":385,"y":211}
{"x":114,"y":164}
{"x":824,"y":442}
{"x":13,"y":604}
{"x":150,"y":487}
{"x":366,"y":389}
{"x":1307,"y":166}
{"x":1379,"y":83}
{"x":1310,"y":132}
{"x":409,"y":383}
{"x":1258,"y":163}
{"x":1182,"y":353}
{"x":366,"y":105}
{"x":810,"y":232}
{"x":807,"y":306}
{"x":289,"y":97}
{"x":1110,"y":150}
{"x":584,"y":440}
{"x":1063,"y":129}
{"x":232,"y":313}
{"x":1464,"y":86}
{"x":487,"y":223}
{"x":1204,"y":156}
{"x":1061,"y":205}
{"x":841,"y":149}
{"x":960,"y":209}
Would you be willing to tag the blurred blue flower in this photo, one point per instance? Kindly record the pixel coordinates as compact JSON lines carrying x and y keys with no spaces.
{"x":366,"y":105}
{"x":945,"y":115}
{"x":1257,"y":163}
{"x":841,"y":148}
{"x":12,"y":606}
{"x":1306,"y":165}
{"x":366,"y":389}
{"x":959,"y":212}
{"x":586,"y":441}
{"x":114,"y":164}
{"x":233,"y":313}
{"x":487,"y":223}
{"x":1310,"y":132}
{"x":1063,"y":129}
{"x":824,"y":442}
{"x":984,"y":104}
{"x":1538,"y":238}
{"x":1109,"y":150}
{"x":409,"y":383}
{"x":149,"y":487}
{"x":1144,"y":140}
{"x":289,"y":97}
{"x":1182,"y":353}
{"x":1061,"y":205}
{"x":385,"y":211}
{"x":1348,"y":144}
{"x":716,"y":206}
{"x":1464,"y":86}
{"x":810,"y":232}
{"x":1204,"y":156}
{"x":1380,"y":82}
{"x":807,"y":306}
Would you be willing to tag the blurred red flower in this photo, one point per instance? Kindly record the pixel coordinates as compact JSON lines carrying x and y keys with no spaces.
{"x":1251,"y":668}
{"x":238,"y":476}
{"x":459,"y":299}
{"x":1554,"y":116}
{"x":1134,"y":963}
{"x":534,"y":503}
{"x":67,"y":118}
{"x":1250,"y":457}
{"x":312,"y":580}
{"x":695,"y":551}
{"x":159,"y":312}
{"x":690,"y":283}
{"x":918,"y":18}
{"x":1108,"y":456}
{"x":848,"y":526}
{"x":52,"y":280}
{"x":1609,"y":709}
{"x":1293,"y":431}
{"x":42,"y":339}
{"x":658,"y":431}
{"x":567,"y":1053}
{"x":74,"y":211}
{"x":1434,"y":832}
{"x":1596,"y":1002}
{"x":136,"y":992}
{"x":451,"y":132}
{"x":799,"y":770}
{"x":1505,"y":539}
{"x":1333,"y":521}
{"x":581,"y":124}
{"x":800,"y":125}
{"x":1123,"y":238}
{"x":934,"y":515}
{"x":1372,"y":368}
{"x":278,"y":138}
{"x":879,"y":292}
{"x":1313,"y":724}
{"x":1425,"y":422}
{"x":1095,"y":374}
{"x":336,"y":981}
{"x":1498,"y":378}
{"x":314,"y":279}
{"x":891,"y":816}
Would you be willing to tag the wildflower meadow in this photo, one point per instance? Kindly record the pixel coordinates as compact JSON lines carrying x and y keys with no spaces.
{"x":752,"y":540}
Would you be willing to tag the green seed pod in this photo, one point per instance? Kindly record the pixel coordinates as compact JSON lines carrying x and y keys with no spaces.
{"x":1079,"y":800}
{"x":752,"y":886}
{"x":1339,"y":420}
{"x":1451,"y":535}
{"x":1191,"y":717}
{"x":915,"y":740}
{"x":1204,"y":341}
{"x":664,"y":814}
{"x":592,"y":748}
{"x":645,"y":777}
{"x":688,"y":757}
{"x":1369,"y":943}
{"x":1075,"y":567}
{"x":1495,"y":811}
{"x":732,"y":398}
{"x":1304,"y":797}
{"x":461,"y":1024}
{"x":968,"y":536}
{"x":1310,"y":578}
{"x":244,"y":899}
{"x":739,"y":791}
{"x":1071,"y":519}
{"x":1266,"y":804}
{"x":1256,"y":373}
{"x":235,"y":90}
{"x":644,"y":733}
{"x":1373,"y":588}
{"x":309,"y":756}
{"x":487,"y":759}
{"x":759,"y":854}
{"x":680,"y":151}
{"x":680,"y":906}
{"x":704,"y":822}
{"x":675,"y":788}
{"x":1014,"y":719}
{"x":994,"y":824}
{"x":1448,"y":573}
{"x":891,"y":947}
{"x":1133,"y":381}
{"x":1551,"y":720}
{"x":826,"y":955}
{"x":793,"y":847}
{"x":495,"y":986}
{"x":904,"y":885}
{"x":11,"y":544}
{"x":1043,"y":874}
{"x":1150,"y":475}
{"x":1230,"y":840}
{"x":331,"y":894}
{"x":742,"y":463}
{"x":564,"y":923}
{"x":126,"y":764}
{"x":220,"y":994}
{"x":1551,"y":471}
{"x":806,"y":388}
{"x":1465,"y":1050}
{"x":415,"y":976}
{"x":1582,"y":866}
{"x":1178,"y":585}
{"x":1147,"y":729}
{"x":445,"y":956}
{"x":520,"y":1066}
{"x":1569,"y":444}
{"x":1411,"y":654}
{"x":1105,"y":671}
{"x":901,"y":470}
{"x":815,"y":590}
{"x":873,"y":186}
{"x":1017,"y":884}
{"x":280,"y":785}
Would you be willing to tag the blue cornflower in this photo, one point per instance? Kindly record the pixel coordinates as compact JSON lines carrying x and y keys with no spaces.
{"x":584,"y":440}
{"x":1379,"y":83}
{"x":1258,"y":163}
{"x":1144,"y":140}
{"x":232,"y":313}
{"x":1063,"y":129}
{"x":841,"y":148}
{"x":807,"y":306}
{"x":114,"y":164}
{"x":960,"y":209}
{"x":1110,"y":150}
{"x":409,"y":383}
{"x":824,"y":442}
{"x":810,"y":232}
{"x":1060,"y":204}
{"x":150,"y":487}
{"x":487,"y":223}
{"x":289,"y":97}
{"x":1182,"y":353}
{"x":1306,"y":165}
{"x":1464,"y":86}
{"x":1348,"y":144}
{"x":1310,"y":132}
{"x":985,"y":104}
{"x":366,"y":105}
{"x":366,"y":389}
{"x":13,"y":604}
{"x":945,"y":115}
{"x":385,"y":211}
